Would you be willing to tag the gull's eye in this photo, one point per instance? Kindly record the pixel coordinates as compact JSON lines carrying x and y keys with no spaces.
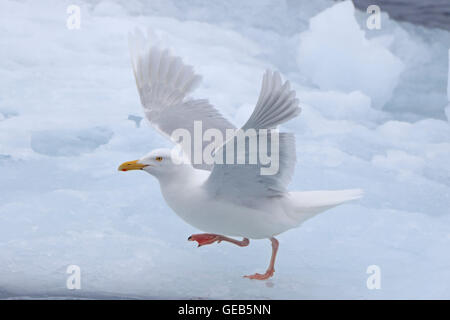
{"x":158,"y":159}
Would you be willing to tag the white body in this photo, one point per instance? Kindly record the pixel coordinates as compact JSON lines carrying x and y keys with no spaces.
{"x":222,"y":199}
{"x":188,"y":198}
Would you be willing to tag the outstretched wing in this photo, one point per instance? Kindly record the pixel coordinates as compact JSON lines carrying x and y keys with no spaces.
{"x":164,"y":83}
{"x":276,"y":103}
{"x":252,"y":180}
{"x":244,"y":182}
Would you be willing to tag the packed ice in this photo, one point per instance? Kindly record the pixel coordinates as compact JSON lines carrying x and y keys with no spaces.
{"x":375,"y":115}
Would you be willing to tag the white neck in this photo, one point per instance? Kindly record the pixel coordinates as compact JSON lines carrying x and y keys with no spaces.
{"x":182,"y":174}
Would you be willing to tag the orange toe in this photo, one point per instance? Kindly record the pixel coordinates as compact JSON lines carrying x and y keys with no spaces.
{"x":259,"y":276}
{"x":204,"y":238}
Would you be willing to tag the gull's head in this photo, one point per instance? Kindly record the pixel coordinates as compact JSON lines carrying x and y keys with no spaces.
{"x":159,"y":163}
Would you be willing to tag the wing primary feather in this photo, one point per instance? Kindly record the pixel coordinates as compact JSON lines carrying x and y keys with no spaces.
{"x":276,"y":103}
{"x":164,"y":83}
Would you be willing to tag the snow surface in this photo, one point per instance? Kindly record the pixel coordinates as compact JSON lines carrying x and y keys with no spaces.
{"x":373,"y":117}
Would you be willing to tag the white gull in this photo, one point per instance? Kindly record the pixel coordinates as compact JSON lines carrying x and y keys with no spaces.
{"x":223,"y":199}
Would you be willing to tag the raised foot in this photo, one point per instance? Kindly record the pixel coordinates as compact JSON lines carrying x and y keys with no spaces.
{"x":205,"y":238}
{"x":208,"y":238}
{"x":259,"y":276}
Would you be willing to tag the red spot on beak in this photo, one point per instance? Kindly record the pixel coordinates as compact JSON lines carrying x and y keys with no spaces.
{"x":124,"y":170}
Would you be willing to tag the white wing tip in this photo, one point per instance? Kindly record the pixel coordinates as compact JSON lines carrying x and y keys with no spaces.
{"x":162,"y":78}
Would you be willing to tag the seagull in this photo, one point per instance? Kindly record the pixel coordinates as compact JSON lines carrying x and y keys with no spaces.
{"x":224,"y":200}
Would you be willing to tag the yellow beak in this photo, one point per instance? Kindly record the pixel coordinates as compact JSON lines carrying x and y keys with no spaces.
{"x":131,"y":165}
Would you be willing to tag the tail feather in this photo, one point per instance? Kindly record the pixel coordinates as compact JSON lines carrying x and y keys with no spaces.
{"x":310,"y":203}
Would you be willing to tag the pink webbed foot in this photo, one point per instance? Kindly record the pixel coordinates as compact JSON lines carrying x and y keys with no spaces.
{"x":271,"y":269}
{"x":205,"y":238}
{"x":259,"y":276}
{"x":208,"y":238}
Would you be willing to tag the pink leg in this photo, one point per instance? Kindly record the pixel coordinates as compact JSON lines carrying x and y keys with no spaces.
{"x":271,"y":269}
{"x":208,"y":238}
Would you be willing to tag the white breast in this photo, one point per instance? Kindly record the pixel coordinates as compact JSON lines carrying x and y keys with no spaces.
{"x":194,"y":205}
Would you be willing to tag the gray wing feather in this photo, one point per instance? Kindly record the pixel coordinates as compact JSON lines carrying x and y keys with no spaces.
{"x":183,"y":116}
{"x":164,"y":83}
{"x":276,"y":103}
{"x":245,"y":182}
